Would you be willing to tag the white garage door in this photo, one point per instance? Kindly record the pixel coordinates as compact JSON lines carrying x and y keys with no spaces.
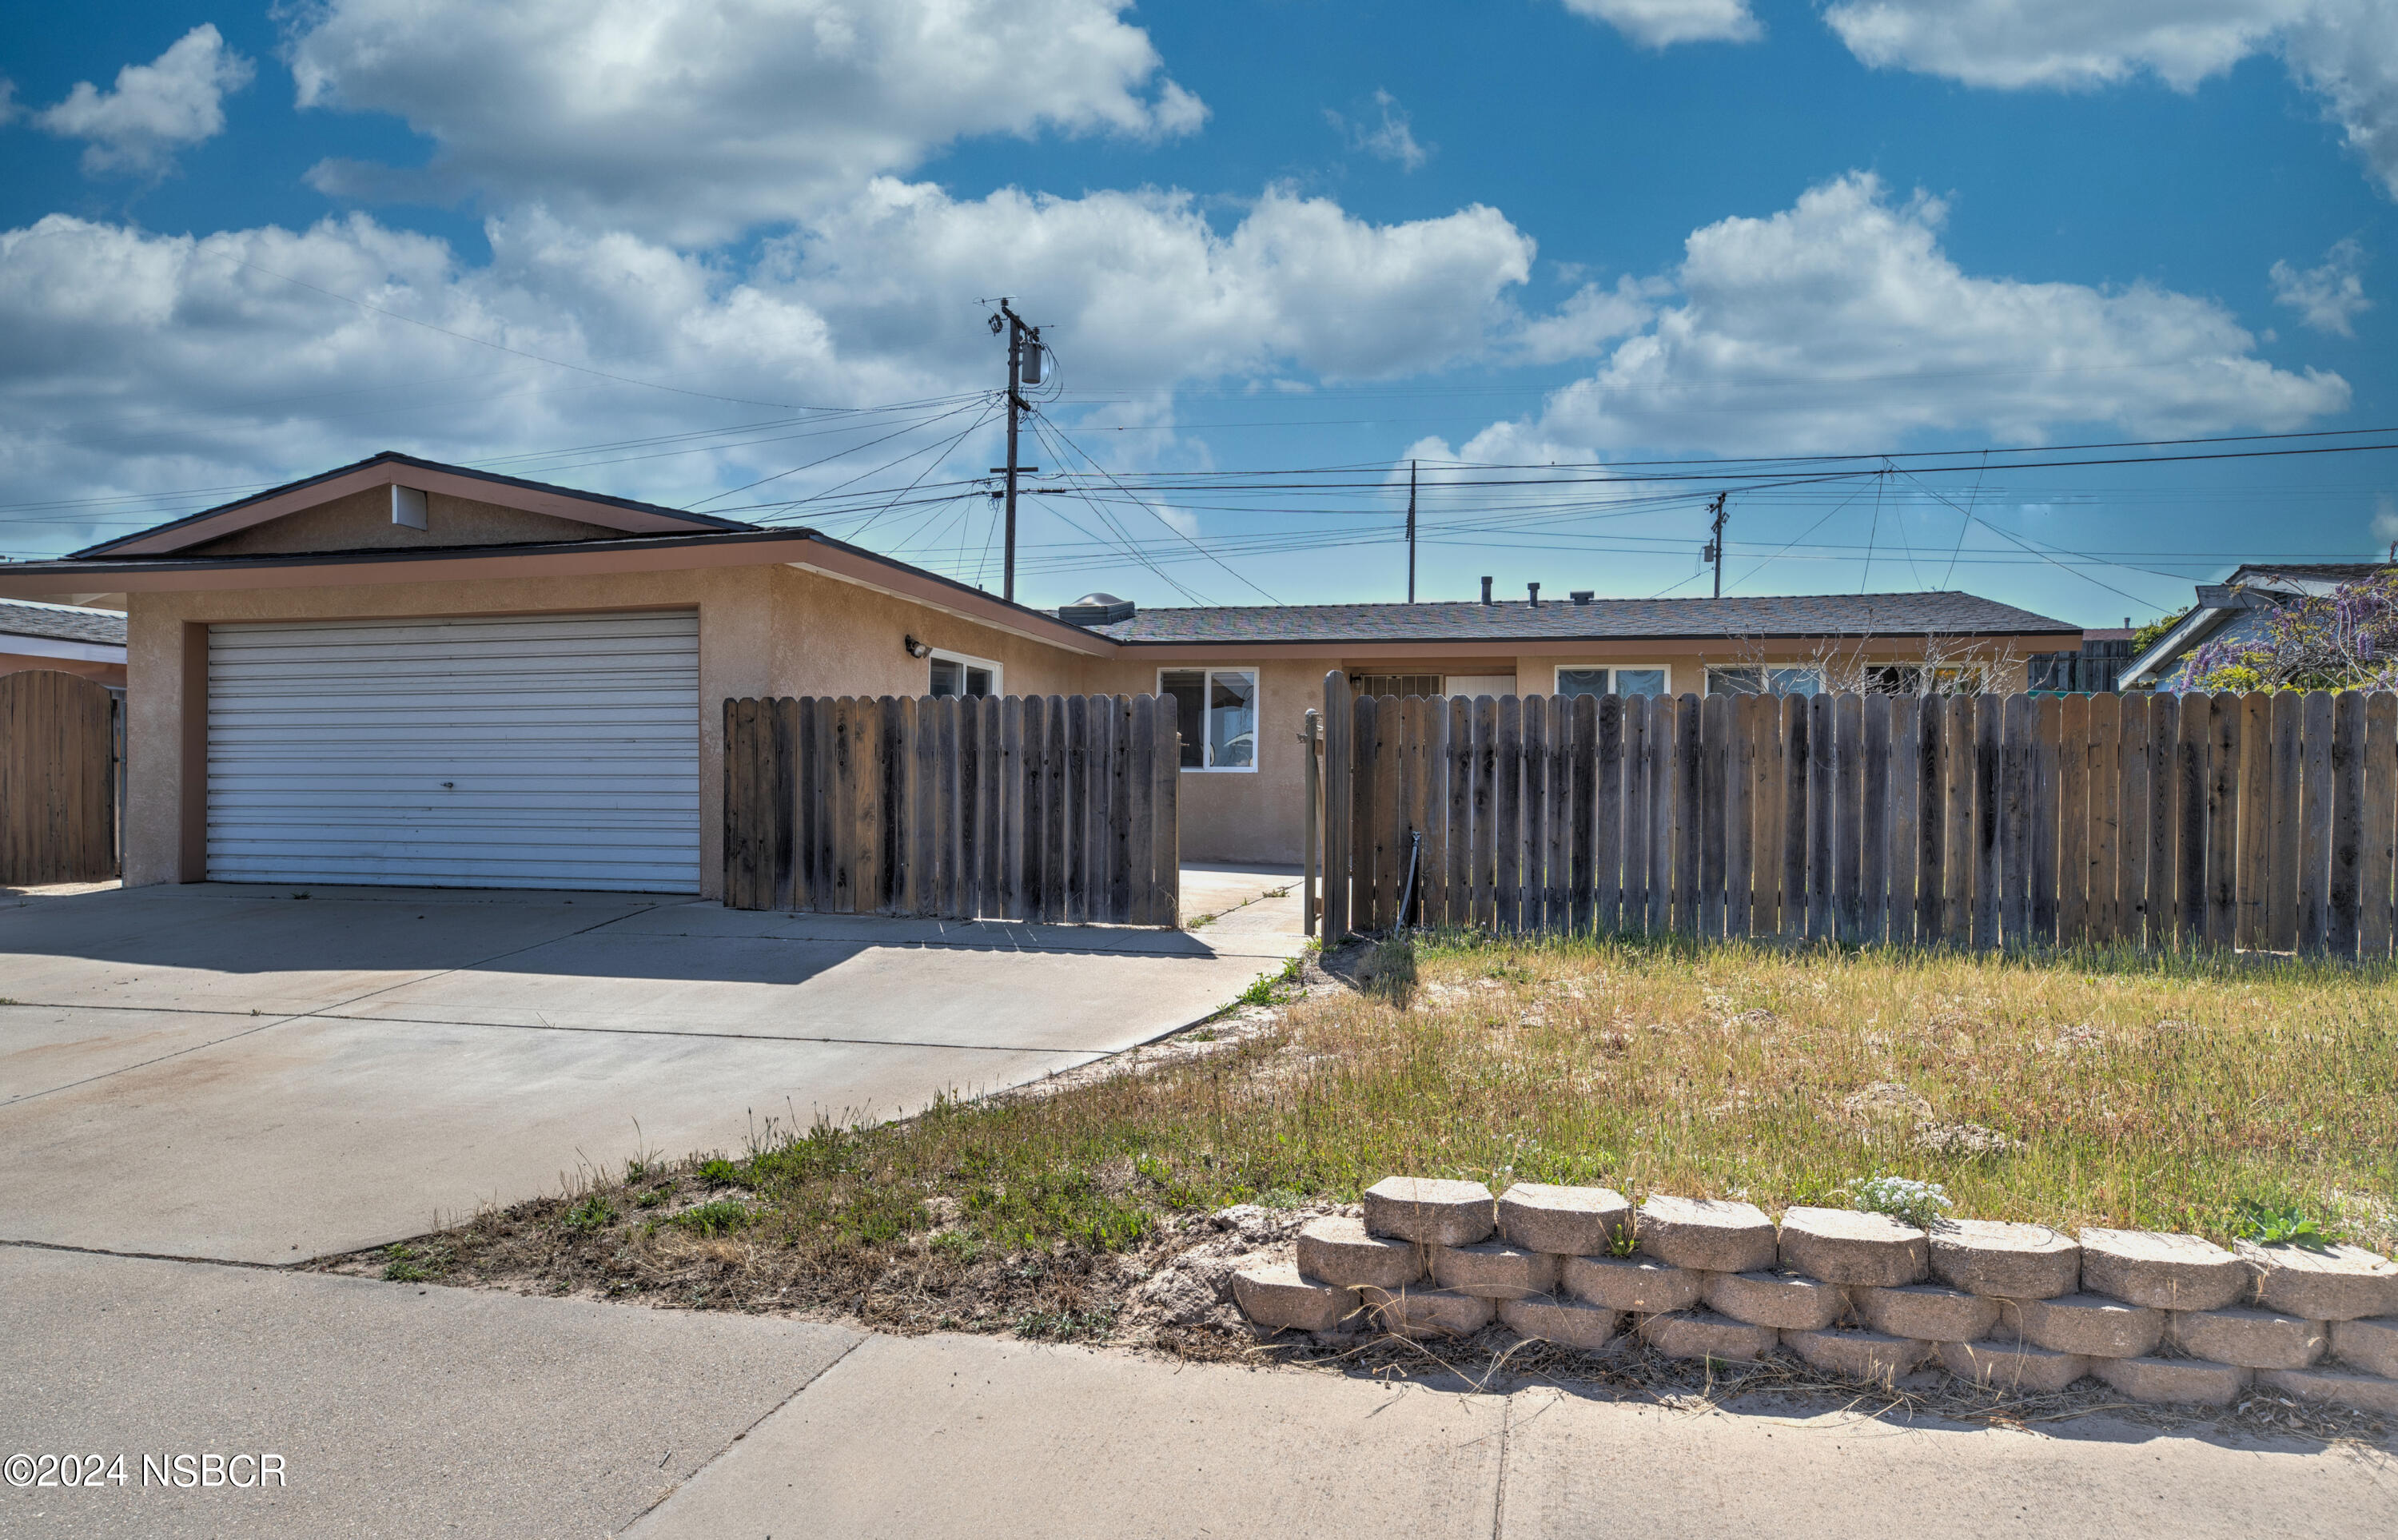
{"x":557,"y":751}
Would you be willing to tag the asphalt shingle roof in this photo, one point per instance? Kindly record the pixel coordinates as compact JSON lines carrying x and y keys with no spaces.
{"x":102,"y":627}
{"x":1601,"y":619}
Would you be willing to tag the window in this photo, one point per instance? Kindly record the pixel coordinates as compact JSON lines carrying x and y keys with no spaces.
{"x":955,"y":673}
{"x":1907,"y":679}
{"x":1217,"y":709}
{"x":1755,"y":680}
{"x":1397,"y":684}
{"x":1615,"y":681}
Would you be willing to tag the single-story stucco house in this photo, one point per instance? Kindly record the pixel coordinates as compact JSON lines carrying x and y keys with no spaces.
{"x":408,"y":672}
{"x":69,"y":638}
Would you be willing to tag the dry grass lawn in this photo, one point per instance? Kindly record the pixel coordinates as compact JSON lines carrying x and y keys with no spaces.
{"x":2082,"y":1090}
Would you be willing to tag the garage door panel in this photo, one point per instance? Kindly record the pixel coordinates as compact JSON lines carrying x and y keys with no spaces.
{"x":553,"y":751}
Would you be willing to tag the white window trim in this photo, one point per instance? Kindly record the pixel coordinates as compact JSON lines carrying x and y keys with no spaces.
{"x":1667,"y":669}
{"x":1207,"y":680}
{"x":943,"y":655}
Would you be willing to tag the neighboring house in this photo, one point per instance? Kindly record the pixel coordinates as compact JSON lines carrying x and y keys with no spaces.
{"x":412,"y":672}
{"x":2238,"y":607}
{"x":67,"y":637}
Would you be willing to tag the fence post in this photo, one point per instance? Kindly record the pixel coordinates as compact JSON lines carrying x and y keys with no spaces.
{"x":1336,"y":805}
{"x":1315,"y":777}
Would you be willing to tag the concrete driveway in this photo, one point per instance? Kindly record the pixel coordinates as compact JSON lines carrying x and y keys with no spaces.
{"x":267,"y":1074}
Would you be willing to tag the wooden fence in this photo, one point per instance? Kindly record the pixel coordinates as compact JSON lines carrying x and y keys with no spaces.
{"x":57,"y":779}
{"x":2253,"y":820}
{"x":1046,"y":808}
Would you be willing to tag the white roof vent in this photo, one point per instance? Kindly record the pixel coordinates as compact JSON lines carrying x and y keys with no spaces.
{"x":1096,"y":609}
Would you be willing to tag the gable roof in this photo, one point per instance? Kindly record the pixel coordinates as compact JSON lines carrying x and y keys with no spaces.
{"x":1596,"y":620}
{"x":59,"y":623}
{"x":390,"y":467}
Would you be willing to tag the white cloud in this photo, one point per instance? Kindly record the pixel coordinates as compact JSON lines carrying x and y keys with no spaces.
{"x":176,"y":99}
{"x":1657,"y":23}
{"x":2328,"y":298}
{"x":694,"y":119}
{"x":1842,"y":325}
{"x":2385,"y":517}
{"x":1391,"y":139}
{"x":2063,"y":44}
{"x":2344,"y":51}
{"x":2347,"y":50}
{"x":1142,"y":289}
{"x":131,"y":362}
{"x":9,"y":109}
{"x":1591,"y":317}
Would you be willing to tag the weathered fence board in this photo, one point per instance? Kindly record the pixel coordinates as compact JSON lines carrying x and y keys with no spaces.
{"x":1026,"y":808}
{"x":1982,"y":821}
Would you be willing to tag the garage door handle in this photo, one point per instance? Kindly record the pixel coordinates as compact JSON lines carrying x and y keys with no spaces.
{"x":449,"y":785}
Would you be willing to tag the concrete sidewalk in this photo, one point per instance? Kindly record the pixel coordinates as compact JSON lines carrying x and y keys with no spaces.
{"x":246,"y":1073}
{"x":406,"y":1411}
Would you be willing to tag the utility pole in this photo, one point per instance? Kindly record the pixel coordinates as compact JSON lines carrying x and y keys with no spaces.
{"x":1019,"y":338}
{"x":1411,"y":532}
{"x":1714,"y":549}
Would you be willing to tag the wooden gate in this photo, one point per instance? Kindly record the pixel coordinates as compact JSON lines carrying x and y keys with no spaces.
{"x":1036,"y":807}
{"x":2253,"y":820}
{"x":57,"y":779}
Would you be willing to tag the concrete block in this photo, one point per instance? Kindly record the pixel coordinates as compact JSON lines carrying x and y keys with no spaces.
{"x":1847,"y":1246}
{"x":1873,"y":1357}
{"x":2019,"y":1367}
{"x":1438,"y":1213}
{"x":1636,"y":1283}
{"x":1275,"y":1296}
{"x":1336,"y":1250}
{"x":1495,"y":1269}
{"x":2091,"y":1325}
{"x":2178,"y":1382}
{"x":1563,"y":1221}
{"x":2341,"y":1387}
{"x":1700,"y":1334}
{"x":2251,"y":1338}
{"x":2335,"y":1284}
{"x":1568,"y":1323}
{"x":2164,"y":1272}
{"x":1707,"y":1235}
{"x":1429,"y":1312}
{"x":2371,"y":1346}
{"x":1927,"y":1311}
{"x":2004,"y":1261}
{"x":1785,"y":1301}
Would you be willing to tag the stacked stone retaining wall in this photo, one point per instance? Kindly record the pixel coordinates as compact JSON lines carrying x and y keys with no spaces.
{"x":1858,"y":1297}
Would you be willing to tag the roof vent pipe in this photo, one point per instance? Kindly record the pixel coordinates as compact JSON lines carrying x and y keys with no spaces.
{"x":1533,"y":589}
{"x":1583,"y":596}
{"x":1485,"y":590}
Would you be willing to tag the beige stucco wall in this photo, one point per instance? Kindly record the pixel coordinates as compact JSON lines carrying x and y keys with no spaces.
{"x":766,"y":630}
{"x":832,"y":637}
{"x":362,"y":522}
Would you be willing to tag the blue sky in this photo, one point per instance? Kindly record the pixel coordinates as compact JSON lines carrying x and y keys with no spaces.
{"x":622,"y":245}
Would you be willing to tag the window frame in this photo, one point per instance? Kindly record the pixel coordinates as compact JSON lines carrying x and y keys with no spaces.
{"x":1207,"y":673}
{"x":1557,"y":671}
{"x":965,"y":661}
